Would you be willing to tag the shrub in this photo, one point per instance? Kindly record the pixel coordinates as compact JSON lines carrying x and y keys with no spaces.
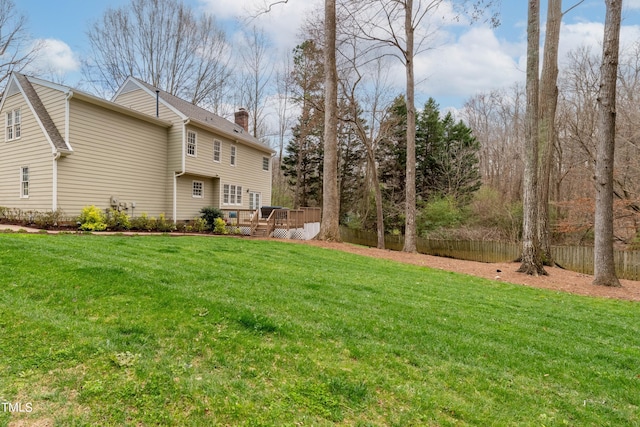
{"x":117,"y":220}
{"x":220,"y":226}
{"x":210,"y":214}
{"x":92,"y":219}
{"x":12,"y":215}
{"x":48,"y":219}
{"x":142,"y":222}
{"x":163,"y":225}
{"x":197,"y":225}
{"x":439,"y":212}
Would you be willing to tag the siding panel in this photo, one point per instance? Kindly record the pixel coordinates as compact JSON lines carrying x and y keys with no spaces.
{"x":114,"y":155}
{"x":33,"y":150}
{"x":141,"y":101}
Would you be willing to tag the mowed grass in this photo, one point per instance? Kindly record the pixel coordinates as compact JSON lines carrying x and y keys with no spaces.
{"x":195,"y":331}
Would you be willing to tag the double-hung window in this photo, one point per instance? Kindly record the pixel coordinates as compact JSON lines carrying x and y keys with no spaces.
{"x":24,"y":182}
{"x":217,"y":149}
{"x":234,"y":152}
{"x":191,"y":144}
{"x":13,"y":121}
{"x":265,"y":163}
{"x":232,"y":194}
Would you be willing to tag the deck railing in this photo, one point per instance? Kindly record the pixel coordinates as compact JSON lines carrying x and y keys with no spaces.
{"x":286,"y":219}
{"x":238,"y":217}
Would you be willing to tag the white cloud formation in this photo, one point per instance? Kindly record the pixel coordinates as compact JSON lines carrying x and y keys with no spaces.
{"x":55,"y":56}
{"x":477,"y":61}
{"x":281,"y":23}
{"x":468,"y":60}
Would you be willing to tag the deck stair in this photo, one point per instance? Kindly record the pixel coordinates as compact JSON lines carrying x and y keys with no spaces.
{"x":273,"y":221}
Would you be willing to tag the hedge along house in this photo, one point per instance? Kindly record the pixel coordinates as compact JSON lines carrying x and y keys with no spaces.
{"x":144,"y":151}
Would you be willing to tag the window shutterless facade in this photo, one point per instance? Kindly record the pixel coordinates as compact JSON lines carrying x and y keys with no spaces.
{"x":197,"y":189}
{"x":13,"y":121}
{"x":192,"y":146}
{"x":232,"y":194}
{"x":265,"y":163}
{"x":234,"y":151}
{"x":217,"y":150}
{"x":24,"y":182}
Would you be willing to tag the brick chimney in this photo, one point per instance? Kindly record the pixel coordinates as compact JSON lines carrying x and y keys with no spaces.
{"x":242,"y":119}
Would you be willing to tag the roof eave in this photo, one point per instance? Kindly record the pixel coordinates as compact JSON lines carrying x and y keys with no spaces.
{"x":119,"y":108}
{"x":231,"y":135}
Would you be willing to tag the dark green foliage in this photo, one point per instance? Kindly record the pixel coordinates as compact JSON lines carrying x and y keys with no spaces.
{"x":303,"y":163}
{"x":446,"y":160}
{"x":209,"y":214}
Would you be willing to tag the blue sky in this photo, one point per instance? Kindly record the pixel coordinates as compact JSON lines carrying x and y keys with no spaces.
{"x":469,"y":58}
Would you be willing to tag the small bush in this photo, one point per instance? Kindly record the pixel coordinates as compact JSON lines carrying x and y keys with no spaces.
{"x":220,"y":226}
{"x":117,"y":220}
{"x":210,"y":214}
{"x":197,"y":225}
{"x":440,"y":212}
{"x":163,"y":225}
{"x":92,"y":219}
{"x":142,"y":222}
{"x":13,"y":215}
{"x":49,"y":219}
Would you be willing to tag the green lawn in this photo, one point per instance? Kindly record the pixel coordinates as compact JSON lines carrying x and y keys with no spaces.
{"x":198,"y":331}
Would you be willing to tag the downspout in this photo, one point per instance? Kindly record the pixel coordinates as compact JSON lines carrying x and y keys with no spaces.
{"x":179,"y":174}
{"x":54,"y":195}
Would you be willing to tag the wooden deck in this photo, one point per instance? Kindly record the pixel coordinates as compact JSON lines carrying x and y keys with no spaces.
{"x":302,"y":224}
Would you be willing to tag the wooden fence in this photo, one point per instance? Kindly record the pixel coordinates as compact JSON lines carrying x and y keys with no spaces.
{"x":574,"y":258}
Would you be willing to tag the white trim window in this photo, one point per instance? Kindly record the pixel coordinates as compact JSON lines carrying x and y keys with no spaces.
{"x":197,"y":189}
{"x":192,"y":144}
{"x":265,"y":163}
{"x":217,"y":150}
{"x":13,"y":121}
{"x":24,"y":182}
{"x":234,"y":152}
{"x":232,"y":195}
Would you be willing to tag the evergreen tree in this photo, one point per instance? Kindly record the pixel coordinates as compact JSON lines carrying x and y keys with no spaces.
{"x":303,"y":163}
{"x":392,"y":158}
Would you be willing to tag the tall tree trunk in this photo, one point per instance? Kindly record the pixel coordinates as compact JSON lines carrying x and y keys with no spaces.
{"x":410,"y":207}
{"x":547,"y":133}
{"x":330,"y":225}
{"x":604,"y":267}
{"x":531,"y":262}
{"x":378,"y":196}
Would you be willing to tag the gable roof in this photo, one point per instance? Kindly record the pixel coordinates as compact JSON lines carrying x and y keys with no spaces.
{"x":41,"y":113}
{"x":198,"y":115}
{"x":21,"y":83}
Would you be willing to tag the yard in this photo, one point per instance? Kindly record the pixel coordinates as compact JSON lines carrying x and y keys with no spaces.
{"x":192,"y":331}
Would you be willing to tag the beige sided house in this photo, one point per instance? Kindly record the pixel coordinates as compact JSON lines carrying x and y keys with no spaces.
{"x":144,"y":151}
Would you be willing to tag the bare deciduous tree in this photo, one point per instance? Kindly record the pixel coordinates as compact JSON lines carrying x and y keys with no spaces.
{"x":330,"y":224}
{"x":257,"y":76}
{"x":604,"y":267}
{"x":162,"y":42}
{"x":531,"y":261}
{"x":16,"y":50}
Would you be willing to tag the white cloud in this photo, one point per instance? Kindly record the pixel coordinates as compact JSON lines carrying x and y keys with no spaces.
{"x":476,"y":62}
{"x":55,"y":56}
{"x":281,"y":24}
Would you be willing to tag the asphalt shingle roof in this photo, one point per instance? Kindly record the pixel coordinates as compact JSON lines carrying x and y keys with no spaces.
{"x":42,"y":113}
{"x":200,"y":114}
